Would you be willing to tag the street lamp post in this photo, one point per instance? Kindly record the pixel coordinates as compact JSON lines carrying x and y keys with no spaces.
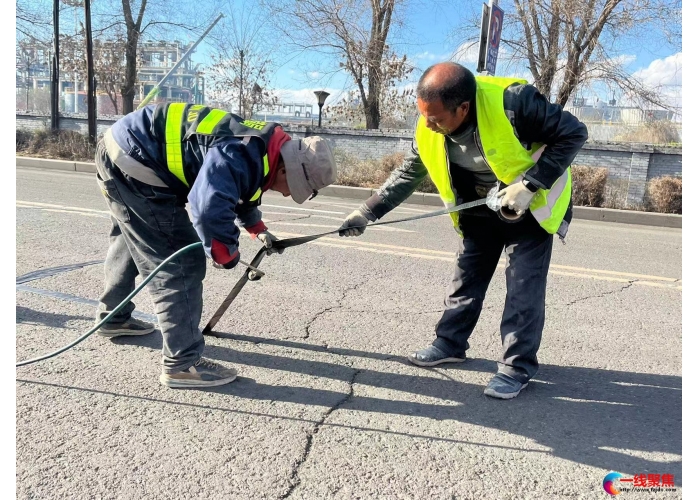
{"x":321,"y":96}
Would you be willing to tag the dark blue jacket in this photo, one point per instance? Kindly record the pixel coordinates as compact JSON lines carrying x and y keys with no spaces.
{"x":228,"y":174}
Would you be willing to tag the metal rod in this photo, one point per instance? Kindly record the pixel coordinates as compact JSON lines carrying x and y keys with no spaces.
{"x":155,"y":90}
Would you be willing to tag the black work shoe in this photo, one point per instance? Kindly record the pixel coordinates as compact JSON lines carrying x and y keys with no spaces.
{"x":203,"y":373}
{"x":502,"y":386}
{"x":130,"y":327}
{"x":432,"y":356}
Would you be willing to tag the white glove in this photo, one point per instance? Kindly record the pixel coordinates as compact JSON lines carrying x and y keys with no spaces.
{"x":267,"y":238}
{"x":517,"y":197}
{"x":356,"y":222}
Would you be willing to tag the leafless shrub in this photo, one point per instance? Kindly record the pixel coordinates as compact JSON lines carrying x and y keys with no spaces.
{"x":371,"y":173}
{"x":665,"y":194}
{"x":588,"y":185}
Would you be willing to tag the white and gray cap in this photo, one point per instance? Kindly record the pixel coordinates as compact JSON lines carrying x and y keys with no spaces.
{"x":310,"y":166}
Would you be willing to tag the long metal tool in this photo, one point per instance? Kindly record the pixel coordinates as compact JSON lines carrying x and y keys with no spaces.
{"x":154,"y":91}
{"x":292,"y":242}
{"x":233,"y":293}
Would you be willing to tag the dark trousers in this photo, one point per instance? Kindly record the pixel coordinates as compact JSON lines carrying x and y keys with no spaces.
{"x":528,"y":252}
{"x":148,"y":225}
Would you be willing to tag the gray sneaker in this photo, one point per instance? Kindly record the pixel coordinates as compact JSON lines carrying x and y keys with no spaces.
{"x":203,"y":373}
{"x":503,"y":386}
{"x":132,"y":326}
{"x":432,"y":356}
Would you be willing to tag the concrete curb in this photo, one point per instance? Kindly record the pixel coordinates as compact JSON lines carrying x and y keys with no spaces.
{"x":433,"y":200}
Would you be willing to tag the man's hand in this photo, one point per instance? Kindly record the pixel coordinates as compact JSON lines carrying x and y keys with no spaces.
{"x":354,"y":224}
{"x":517,"y":197}
{"x":267,"y":238}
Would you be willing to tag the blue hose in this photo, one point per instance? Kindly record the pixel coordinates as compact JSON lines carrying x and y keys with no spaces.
{"x":115,"y":311}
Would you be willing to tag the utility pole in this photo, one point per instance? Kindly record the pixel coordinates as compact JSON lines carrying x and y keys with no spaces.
{"x":54,"y":70}
{"x":91,"y":83}
{"x":75,"y":74}
{"x":241,"y":111}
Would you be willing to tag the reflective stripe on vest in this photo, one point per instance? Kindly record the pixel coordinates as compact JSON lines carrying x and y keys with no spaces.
{"x":173,"y":140}
{"x":433,"y":154}
{"x":266,"y":170}
{"x":210,"y":121}
{"x":504,"y":154}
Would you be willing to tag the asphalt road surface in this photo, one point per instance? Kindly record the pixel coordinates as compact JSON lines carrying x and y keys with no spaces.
{"x":326,"y":406}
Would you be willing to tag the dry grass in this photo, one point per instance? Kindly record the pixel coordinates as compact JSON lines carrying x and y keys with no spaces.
{"x":665,"y":194}
{"x":64,"y":145}
{"x":588,"y":185}
{"x":371,"y":173}
{"x":657,"y":132}
{"x":616,"y":194}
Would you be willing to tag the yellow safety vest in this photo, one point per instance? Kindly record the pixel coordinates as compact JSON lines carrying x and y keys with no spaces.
{"x":502,"y":151}
{"x":180,"y":122}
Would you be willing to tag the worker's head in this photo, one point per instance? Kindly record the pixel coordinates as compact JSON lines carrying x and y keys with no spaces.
{"x":306,"y":166}
{"x":446,"y":93}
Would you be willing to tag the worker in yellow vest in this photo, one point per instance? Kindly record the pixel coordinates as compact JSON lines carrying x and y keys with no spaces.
{"x":474,"y":134}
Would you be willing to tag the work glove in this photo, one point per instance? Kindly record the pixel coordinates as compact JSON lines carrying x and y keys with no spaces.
{"x":267,"y":238}
{"x":229,"y":265}
{"x":356,"y":223}
{"x":516,"y":197}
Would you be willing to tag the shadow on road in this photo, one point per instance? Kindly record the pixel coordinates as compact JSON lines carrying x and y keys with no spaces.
{"x":29,"y":316}
{"x":614,"y":420}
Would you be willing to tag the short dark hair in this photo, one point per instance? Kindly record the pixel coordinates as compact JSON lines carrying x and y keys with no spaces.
{"x":458,"y":86}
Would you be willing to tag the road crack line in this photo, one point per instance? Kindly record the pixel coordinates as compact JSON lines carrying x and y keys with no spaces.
{"x":628,"y":285}
{"x":339,"y":304}
{"x":296,"y":481}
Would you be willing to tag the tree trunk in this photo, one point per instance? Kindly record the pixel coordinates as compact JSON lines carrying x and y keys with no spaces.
{"x":113,"y":97}
{"x":129,"y":87}
{"x":372,"y":113}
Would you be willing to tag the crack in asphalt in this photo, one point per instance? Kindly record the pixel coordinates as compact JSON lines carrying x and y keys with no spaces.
{"x":403,"y":313}
{"x":629,"y":284}
{"x":289,"y":220}
{"x":339,"y":305}
{"x":296,"y":481}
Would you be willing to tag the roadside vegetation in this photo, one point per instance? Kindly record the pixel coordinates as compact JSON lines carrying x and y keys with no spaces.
{"x":592,"y":186}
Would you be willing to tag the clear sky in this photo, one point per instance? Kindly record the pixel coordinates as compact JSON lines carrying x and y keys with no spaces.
{"x":434,"y":31}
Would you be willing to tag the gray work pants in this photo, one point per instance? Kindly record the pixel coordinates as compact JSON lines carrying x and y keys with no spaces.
{"x":528,"y":252}
{"x":148,"y":225}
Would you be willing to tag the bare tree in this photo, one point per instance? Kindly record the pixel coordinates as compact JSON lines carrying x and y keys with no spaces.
{"x":569,"y":44}
{"x":243,"y":81}
{"x":109,"y":62}
{"x":397,"y":106}
{"x":135,"y":18}
{"x":33,"y":19}
{"x":240,"y":73}
{"x":353,"y":32}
